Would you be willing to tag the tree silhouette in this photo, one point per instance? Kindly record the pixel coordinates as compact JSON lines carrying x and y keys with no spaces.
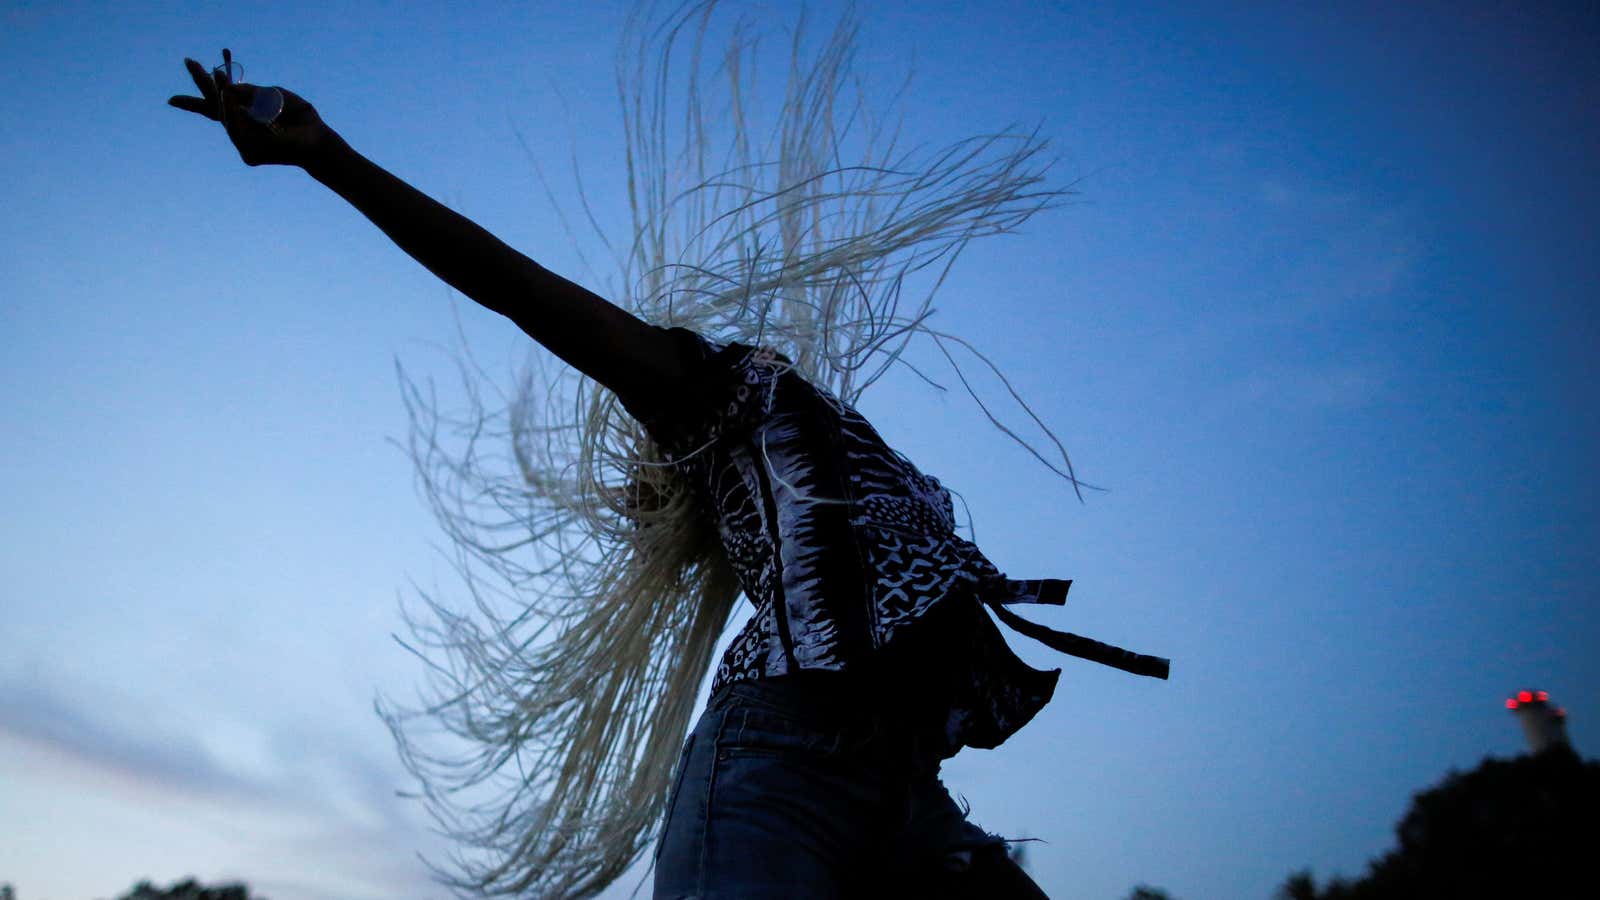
{"x":1509,"y":828}
{"x":190,"y":889}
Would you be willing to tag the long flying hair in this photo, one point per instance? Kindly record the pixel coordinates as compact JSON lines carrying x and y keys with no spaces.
{"x":598,"y":591}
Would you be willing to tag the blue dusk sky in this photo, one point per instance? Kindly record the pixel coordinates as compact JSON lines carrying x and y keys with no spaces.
{"x":1320,"y":318}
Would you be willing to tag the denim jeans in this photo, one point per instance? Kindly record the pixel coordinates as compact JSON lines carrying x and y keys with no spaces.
{"x":794,"y":787}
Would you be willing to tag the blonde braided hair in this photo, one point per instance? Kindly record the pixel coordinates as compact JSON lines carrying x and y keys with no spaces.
{"x":599,"y":590}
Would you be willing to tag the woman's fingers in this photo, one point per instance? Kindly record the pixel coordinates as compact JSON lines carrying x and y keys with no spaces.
{"x":207,"y":103}
{"x":267,"y":125}
{"x":202,"y":79}
{"x":193,"y":104}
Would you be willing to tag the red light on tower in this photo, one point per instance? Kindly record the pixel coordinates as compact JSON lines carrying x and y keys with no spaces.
{"x":1543,"y":723}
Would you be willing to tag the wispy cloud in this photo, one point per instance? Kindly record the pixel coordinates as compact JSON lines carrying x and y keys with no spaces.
{"x":324,"y":814}
{"x":195,"y":755}
{"x":1333,"y":385}
{"x":1306,"y":280}
{"x":1325,"y":248}
{"x":35,"y":713}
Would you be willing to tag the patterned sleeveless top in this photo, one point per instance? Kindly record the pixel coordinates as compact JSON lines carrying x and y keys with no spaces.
{"x":849,"y":553}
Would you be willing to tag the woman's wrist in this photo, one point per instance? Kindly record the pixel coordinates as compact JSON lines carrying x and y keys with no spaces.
{"x":327,"y":157}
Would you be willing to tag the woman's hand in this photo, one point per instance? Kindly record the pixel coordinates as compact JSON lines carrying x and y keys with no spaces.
{"x":645,"y":366}
{"x":295,"y":136}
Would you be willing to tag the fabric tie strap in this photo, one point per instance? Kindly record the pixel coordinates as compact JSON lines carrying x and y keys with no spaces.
{"x":1052,"y":591}
{"x":1079,"y":646}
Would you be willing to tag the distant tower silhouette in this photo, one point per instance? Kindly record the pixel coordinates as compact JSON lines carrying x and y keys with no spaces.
{"x":1544,"y":725}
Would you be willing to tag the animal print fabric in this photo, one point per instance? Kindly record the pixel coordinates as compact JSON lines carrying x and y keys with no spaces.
{"x":841,"y":544}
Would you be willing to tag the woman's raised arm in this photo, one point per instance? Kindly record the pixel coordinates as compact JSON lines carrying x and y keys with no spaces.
{"x":637,"y":361}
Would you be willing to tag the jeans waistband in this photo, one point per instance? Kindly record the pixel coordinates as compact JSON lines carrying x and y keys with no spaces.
{"x":826,"y":694}
{"x":842,"y":703}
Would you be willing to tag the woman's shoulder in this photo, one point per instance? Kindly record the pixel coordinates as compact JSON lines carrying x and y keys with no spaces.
{"x":729,"y":389}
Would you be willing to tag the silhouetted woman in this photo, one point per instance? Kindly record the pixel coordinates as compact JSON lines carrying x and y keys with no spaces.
{"x":870,"y":656}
